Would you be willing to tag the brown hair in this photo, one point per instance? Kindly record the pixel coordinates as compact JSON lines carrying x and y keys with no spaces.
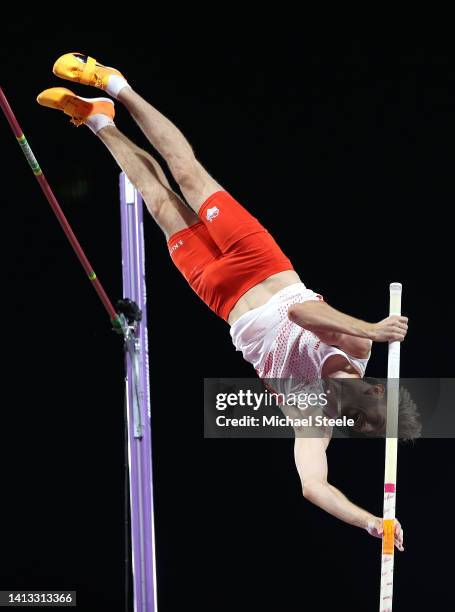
{"x":409,"y":421}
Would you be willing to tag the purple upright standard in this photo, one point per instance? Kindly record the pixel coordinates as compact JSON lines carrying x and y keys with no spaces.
{"x":138,"y":404}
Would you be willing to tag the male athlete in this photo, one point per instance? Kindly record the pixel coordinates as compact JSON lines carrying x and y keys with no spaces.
{"x":234,"y":265}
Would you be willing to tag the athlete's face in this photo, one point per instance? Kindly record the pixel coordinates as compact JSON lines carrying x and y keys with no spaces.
{"x":365,"y":403}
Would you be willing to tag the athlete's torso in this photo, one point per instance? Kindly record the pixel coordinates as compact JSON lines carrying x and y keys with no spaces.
{"x":281,"y":349}
{"x":262,"y":292}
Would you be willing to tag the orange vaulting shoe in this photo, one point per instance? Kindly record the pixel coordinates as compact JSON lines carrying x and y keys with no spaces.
{"x":79,"y":109}
{"x":83,"y":69}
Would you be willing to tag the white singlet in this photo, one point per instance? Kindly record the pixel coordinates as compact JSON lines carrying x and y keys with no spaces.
{"x":281,"y":349}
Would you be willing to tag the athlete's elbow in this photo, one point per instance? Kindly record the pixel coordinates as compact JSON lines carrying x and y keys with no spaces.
{"x":296,"y":314}
{"x":306,"y":491}
{"x":311,"y":489}
{"x":363,"y":348}
{"x":303,"y":314}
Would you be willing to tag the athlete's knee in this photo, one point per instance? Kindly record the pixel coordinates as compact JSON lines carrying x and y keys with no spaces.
{"x":186,"y":170}
{"x":155,"y":197}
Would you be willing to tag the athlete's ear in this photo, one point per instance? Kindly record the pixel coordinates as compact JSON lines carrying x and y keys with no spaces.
{"x":377,"y":390}
{"x":367,"y":428}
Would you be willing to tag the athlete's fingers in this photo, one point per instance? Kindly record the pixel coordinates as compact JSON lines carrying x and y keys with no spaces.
{"x":400,"y":330}
{"x":398,"y":324}
{"x":399,"y":534}
{"x":397,"y":337}
{"x":402,"y":324}
{"x":399,"y":544}
{"x":399,"y":318}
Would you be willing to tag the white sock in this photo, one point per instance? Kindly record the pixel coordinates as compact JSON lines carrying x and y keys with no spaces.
{"x":115,"y":85}
{"x":98,"y":122}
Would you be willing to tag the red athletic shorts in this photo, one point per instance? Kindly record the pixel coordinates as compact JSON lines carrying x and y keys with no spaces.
{"x":226,"y":253}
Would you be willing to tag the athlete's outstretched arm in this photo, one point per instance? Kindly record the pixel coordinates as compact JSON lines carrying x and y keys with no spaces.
{"x":311,"y":462}
{"x":318,"y":316}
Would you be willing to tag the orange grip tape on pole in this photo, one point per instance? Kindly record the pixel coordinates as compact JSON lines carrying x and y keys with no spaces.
{"x":388,"y":539}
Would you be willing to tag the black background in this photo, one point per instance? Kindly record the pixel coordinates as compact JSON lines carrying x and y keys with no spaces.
{"x":340,"y":149}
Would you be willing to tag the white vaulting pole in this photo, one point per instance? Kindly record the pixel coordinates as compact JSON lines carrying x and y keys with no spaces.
{"x":391,"y":456}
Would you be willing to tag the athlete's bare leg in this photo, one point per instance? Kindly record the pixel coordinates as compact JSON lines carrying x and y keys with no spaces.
{"x":196,"y":185}
{"x":166,"y":207}
{"x":194,"y":181}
